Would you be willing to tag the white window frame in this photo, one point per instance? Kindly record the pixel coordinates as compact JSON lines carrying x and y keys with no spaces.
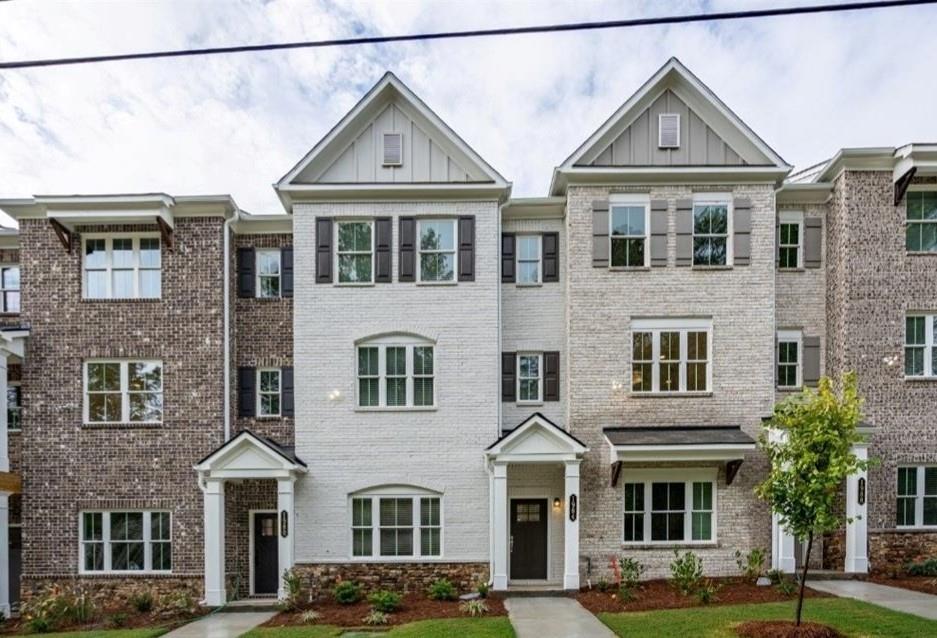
{"x":919,"y":497}
{"x":792,"y":218}
{"x":18,"y":408}
{"x":397,"y":492}
{"x":539,"y":378}
{"x":261,"y":394}
{"x":109,"y":264}
{"x":4,"y":290}
{"x":106,"y":542}
{"x":917,"y":188}
{"x":683,"y":326}
{"x":790,"y":336}
{"x":258,"y":283}
{"x":338,"y":253}
{"x":630,"y":200}
{"x":384,"y":161}
{"x":539,"y":260}
{"x":125,"y":391}
{"x":420,"y":252}
{"x":929,"y":345}
{"x":408,"y":343}
{"x":713,"y":199}
{"x":660,"y":138}
{"x":687,"y":476}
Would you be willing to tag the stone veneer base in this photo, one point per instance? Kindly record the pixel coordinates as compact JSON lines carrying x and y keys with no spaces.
{"x":320,"y":578}
{"x":109,"y":590}
{"x":891,"y":551}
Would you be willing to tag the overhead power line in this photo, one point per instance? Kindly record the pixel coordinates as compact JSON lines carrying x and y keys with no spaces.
{"x":475,"y":33}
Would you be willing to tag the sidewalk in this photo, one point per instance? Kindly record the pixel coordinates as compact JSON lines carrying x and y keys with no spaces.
{"x":894,"y":598}
{"x":222,"y":625}
{"x":541,"y":617}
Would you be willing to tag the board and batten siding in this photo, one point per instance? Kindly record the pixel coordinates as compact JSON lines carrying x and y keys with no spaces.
{"x":349,"y":450}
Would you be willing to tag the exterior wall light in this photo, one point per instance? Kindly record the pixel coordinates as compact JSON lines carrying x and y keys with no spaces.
{"x":556,"y":504}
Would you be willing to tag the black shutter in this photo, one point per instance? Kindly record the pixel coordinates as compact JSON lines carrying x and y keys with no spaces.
{"x":551,"y":376}
{"x":323,"y":250}
{"x":467,"y":248}
{"x":382,"y":240}
{"x":286,"y":391}
{"x":247,"y":377}
{"x":286,"y":271}
{"x":507,"y":258}
{"x":407,"y":251}
{"x":551,"y":257}
{"x":246,"y":265}
{"x":508,"y":379}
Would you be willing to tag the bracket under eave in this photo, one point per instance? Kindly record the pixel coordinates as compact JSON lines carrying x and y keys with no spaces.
{"x":901,"y":186}
{"x":64,"y":235}
{"x":165,"y":231}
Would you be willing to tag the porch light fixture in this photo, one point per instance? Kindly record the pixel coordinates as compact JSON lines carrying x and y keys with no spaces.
{"x":556,"y":504}
{"x":335,"y":395}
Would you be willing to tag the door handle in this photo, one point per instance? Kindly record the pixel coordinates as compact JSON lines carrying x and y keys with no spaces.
{"x":512,"y":543}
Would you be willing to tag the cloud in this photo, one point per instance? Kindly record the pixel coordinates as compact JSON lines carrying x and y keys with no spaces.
{"x":234,"y":124}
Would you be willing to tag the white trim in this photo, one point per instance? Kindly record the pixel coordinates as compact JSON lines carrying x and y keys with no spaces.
{"x":15,"y":384}
{"x":660,"y":130}
{"x":687,"y":476}
{"x":630,"y":200}
{"x":337,"y":254}
{"x":260,"y":393}
{"x":919,"y":496}
{"x":790,"y":336}
{"x":716,"y":452}
{"x":539,"y":378}
{"x":408,"y":343}
{"x":715,"y":199}
{"x":929,"y":345}
{"x":105,"y":541}
{"x":789,"y":217}
{"x":109,"y":269}
{"x":124,"y":391}
{"x":420,"y":251}
{"x":4,"y":290}
{"x":250,"y":569}
{"x":683,"y":327}
{"x":259,"y":277}
{"x":384,"y":160}
{"x":415,"y":494}
{"x":538,"y":238}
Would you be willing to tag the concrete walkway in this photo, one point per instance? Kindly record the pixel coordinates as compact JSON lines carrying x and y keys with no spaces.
{"x":544,"y":617}
{"x":222,"y":625}
{"x":895,"y":598}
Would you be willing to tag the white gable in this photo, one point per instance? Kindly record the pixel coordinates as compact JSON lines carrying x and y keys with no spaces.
{"x":247,"y":456}
{"x":537,"y":439}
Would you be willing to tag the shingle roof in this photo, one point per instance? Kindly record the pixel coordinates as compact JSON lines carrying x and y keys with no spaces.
{"x":677,"y":435}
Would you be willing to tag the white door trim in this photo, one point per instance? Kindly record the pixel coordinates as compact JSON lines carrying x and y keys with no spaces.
{"x":250,"y":545}
{"x":549,"y":514}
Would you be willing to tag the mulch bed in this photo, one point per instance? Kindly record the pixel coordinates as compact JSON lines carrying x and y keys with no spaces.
{"x":660,"y":594}
{"x":925,"y":584}
{"x":105,"y":620}
{"x":413,"y":607}
{"x":785,"y":629}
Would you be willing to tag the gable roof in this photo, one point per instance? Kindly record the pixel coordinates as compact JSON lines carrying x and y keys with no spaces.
{"x":345,"y":160}
{"x":250,"y":454}
{"x":536,"y":436}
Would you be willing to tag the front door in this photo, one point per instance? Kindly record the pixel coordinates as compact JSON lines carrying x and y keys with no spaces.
{"x":529,"y":539}
{"x":266,"y":556}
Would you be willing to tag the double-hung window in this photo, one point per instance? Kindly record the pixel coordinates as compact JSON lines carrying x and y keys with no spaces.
{"x":14,"y":407}
{"x":661,"y":506}
{"x":790,"y":240}
{"x":920,"y":346}
{"x":671,"y":355}
{"x":10,"y":285}
{"x":394,"y":374}
{"x":629,"y":223}
{"x":529,"y":378}
{"x":711,"y":230}
{"x":268,"y":273}
{"x":396,"y":525}
{"x":268,"y":392}
{"x":437,"y":250}
{"x":917,"y":496}
{"x":355,"y":252}
{"x":528,"y":260}
{"x":922,"y":221}
{"x":789,"y":359}
{"x":123,"y":392}
{"x":132,"y":541}
{"x":122,"y":267}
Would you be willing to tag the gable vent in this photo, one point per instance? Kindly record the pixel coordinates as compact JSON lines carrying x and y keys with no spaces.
{"x":669,"y":127}
{"x":393,"y":149}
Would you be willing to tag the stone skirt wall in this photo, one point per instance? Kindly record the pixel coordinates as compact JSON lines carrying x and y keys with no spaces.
{"x":319,"y":579}
{"x":891,"y":551}
{"x":112,"y":591}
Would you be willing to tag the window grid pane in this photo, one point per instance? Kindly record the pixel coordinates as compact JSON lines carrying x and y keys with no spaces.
{"x":528,"y":259}
{"x":437,"y":250}
{"x":529,"y":377}
{"x":354,"y":252}
{"x":710,"y":234}
{"x":642,"y":356}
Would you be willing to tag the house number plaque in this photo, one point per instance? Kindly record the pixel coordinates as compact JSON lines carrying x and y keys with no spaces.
{"x":572,"y":507}
{"x":284,"y":524}
{"x":861,"y":491}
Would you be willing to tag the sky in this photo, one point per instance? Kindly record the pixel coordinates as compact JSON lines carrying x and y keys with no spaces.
{"x":234,"y":124}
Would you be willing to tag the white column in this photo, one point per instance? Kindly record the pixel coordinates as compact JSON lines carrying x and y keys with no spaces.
{"x":782,"y":554}
{"x":857,"y":537}
{"x":285,"y":534}
{"x":4,"y":445}
{"x":4,"y":496}
{"x":213,"y":492}
{"x":499,"y":493}
{"x":571,"y":528}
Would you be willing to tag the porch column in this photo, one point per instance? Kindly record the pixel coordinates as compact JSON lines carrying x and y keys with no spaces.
{"x":782,"y":544}
{"x":213,"y":493}
{"x":857,"y":538}
{"x":499,"y":494}
{"x":571,"y":527}
{"x":4,"y":496}
{"x":285,"y":526}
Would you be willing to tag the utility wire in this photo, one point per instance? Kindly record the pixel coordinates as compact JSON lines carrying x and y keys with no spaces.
{"x":447,"y":35}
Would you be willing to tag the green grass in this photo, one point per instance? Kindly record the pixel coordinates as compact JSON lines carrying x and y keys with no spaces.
{"x":494,"y":627}
{"x":851,"y":617}
{"x":150,"y":632}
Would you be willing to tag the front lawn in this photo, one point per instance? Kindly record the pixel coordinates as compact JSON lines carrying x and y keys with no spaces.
{"x":851,"y":617}
{"x":109,"y":633}
{"x":496,"y":627}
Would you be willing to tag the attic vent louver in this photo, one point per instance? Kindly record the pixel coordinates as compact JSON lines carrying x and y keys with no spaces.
{"x":393,"y":149}
{"x":669,"y":127}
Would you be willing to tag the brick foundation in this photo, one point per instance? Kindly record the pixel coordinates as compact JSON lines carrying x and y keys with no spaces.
{"x":890,"y":552}
{"x":319,"y":579}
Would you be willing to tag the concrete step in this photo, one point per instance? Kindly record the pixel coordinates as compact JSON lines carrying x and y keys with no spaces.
{"x":246,"y":605}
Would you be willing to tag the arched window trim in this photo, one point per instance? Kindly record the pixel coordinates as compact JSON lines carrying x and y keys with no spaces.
{"x":395,"y":371}
{"x":396,"y":523}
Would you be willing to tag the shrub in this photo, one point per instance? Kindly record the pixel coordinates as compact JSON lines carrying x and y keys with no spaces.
{"x":626,"y":593}
{"x":786,"y":586}
{"x":602,"y":585}
{"x":59,"y":605}
{"x":376,"y":617}
{"x":179,"y":601}
{"x":752,"y":564}
{"x":686,"y":572}
{"x":923,"y":568}
{"x":631,"y":570}
{"x":81,"y":608}
{"x":310,"y":617}
{"x":38,"y":625}
{"x":386,"y":601}
{"x":442,"y":589}
{"x":476,"y":607}
{"x":118,"y":619}
{"x":775,"y":576}
{"x":347,"y":592}
{"x":293,"y":585}
{"x":706,"y":592}
{"x":142,"y":601}
{"x":483,"y":589}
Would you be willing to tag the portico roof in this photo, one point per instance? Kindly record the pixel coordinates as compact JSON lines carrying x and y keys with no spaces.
{"x":248,"y":455}
{"x":678,"y":443}
{"x":536,"y":439}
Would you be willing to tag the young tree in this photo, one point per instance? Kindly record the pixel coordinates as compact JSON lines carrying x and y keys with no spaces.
{"x":810,"y":460}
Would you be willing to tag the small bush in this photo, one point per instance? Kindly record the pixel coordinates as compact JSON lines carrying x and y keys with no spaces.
{"x":442,"y":589}
{"x":706,"y":592}
{"x":347,"y":592}
{"x":602,"y":585}
{"x":775,"y":576}
{"x":118,"y":619}
{"x":376,"y":617}
{"x":293,"y":585}
{"x":786,"y":586}
{"x":923,"y":568}
{"x":386,"y":601}
{"x":476,"y":607}
{"x":752,"y":564}
{"x":59,"y":605}
{"x":626,"y":593}
{"x":179,"y":601}
{"x":310,"y":617}
{"x":483,"y":589}
{"x":38,"y":625}
{"x":686,"y":572}
{"x":631,"y":570}
{"x":142,"y":601}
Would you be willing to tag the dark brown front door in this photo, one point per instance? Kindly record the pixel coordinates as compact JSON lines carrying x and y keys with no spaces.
{"x":266,"y":556}
{"x":529,"y":538}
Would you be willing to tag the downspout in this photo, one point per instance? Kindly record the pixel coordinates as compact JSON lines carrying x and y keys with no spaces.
{"x":491,"y":505}
{"x":228,"y":223}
